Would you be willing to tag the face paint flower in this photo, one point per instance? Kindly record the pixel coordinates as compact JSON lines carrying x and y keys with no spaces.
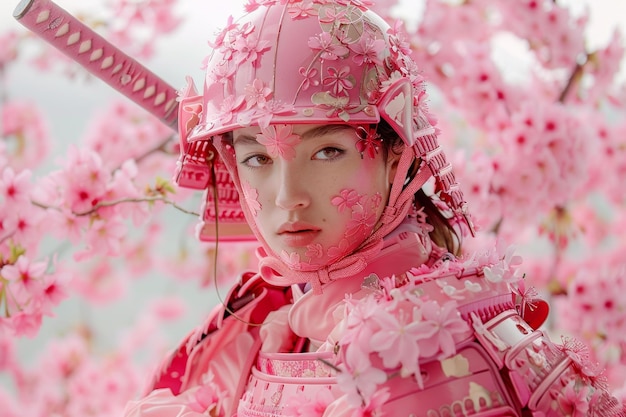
{"x":346,"y":199}
{"x":251,"y":196}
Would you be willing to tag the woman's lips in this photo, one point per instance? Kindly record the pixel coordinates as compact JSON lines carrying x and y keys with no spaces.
{"x":299,"y":239}
{"x":298,"y":234}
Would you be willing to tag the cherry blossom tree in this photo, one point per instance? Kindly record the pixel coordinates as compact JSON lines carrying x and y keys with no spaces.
{"x":536,"y":139}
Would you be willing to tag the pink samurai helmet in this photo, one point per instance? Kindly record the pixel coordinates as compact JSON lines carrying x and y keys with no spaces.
{"x":308,"y":62}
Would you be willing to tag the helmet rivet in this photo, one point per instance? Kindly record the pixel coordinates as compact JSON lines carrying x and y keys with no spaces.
{"x":369,"y":110}
{"x":308,"y":112}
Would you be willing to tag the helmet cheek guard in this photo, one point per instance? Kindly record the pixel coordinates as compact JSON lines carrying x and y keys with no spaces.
{"x":301,"y":63}
{"x":200,"y":168}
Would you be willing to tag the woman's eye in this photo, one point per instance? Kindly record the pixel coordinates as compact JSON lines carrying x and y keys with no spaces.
{"x":256,"y":161}
{"x":328,"y":153}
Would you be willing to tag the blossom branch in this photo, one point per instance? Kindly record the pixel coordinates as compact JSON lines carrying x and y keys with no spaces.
{"x":574,"y":78}
{"x":112,"y":203}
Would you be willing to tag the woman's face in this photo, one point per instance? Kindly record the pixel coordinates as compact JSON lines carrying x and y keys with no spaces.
{"x":313,"y":196}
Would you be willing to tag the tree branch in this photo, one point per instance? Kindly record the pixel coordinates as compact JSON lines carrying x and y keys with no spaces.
{"x":111,"y":203}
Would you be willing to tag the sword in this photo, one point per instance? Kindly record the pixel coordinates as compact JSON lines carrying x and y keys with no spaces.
{"x":83,"y":45}
{"x":102,"y":59}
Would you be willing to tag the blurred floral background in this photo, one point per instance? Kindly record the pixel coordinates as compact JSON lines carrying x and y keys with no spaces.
{"x":100,"y":270}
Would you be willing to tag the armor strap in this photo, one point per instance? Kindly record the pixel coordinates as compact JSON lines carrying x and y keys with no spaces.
{"x":248,"y":303}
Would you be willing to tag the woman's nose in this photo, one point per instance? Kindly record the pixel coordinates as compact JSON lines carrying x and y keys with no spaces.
{"x":293,"y":188}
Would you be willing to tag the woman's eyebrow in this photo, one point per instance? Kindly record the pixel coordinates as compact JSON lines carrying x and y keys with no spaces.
{"x":325,"y":129}
{"x":247,"y":139}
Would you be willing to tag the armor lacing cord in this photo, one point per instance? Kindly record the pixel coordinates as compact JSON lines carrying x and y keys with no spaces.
{"x":276,"y":272}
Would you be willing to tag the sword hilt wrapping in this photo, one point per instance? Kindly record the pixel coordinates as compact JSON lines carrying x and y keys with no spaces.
{"x":100,"y":58}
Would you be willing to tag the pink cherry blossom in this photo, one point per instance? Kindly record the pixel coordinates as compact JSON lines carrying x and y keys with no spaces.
{"x":257,"y":94}
{"x":339,"y":80}
{"x":397,"y":340}
{"x":10,"y":41}
{"x":15,"y":188}
{"x":229,"y":106}
{"x":24,"y":124}
{"x":328,"y":49}
{"x":300,"y":10}
{"x":24,"y":276}
{"x":574,"y":401}
{"x":24,"y":323}
{"x":279,"y":141}
{"x":367,"y":50}
{"x":249,"y":48}
{"x":359,"y":380}
{"x":447,"y":328}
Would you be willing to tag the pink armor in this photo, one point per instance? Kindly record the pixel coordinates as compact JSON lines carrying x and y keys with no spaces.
{"x":499,"y":365}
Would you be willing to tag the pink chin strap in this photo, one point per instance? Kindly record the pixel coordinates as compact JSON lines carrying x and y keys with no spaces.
{"x":276,"y":272}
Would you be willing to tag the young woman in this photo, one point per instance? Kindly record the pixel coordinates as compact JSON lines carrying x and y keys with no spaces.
{"x":313,"y":112}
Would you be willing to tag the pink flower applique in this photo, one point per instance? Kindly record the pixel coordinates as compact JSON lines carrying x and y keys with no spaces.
{"x":396,"y":341}
{"x":506,"y":269}
{"x":346,"y":199}
{"x":301,"y":10}
{"x":271,"y":109}
{"x":328,"y":49}
{"x":335,"y":105}
{"x":359,"y":379}
{"x":310,"y":78}
{"x":340,"y":80}
{"x":573,"y":402}
{"x":219,"y":39}
{"x":373,"y":407}
{"x":279,"y":141}
{"x":250,"y":48}
{"x":301,"y":406}
{"x":229,"y":106}
{"x":252,"y":5}
{"x":359,"y":323}
{"x":251,"y":196}
{"x":367,"y":50}
{"x":333,"y":15}
{"x":578,"y":352}
{"x":399,"y":40}
{"x":361,"y":4}
{"x":447,"y":325}
{"x":369,"y":141}
{"x":222,"y":73}
{"x":257,"y":94}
